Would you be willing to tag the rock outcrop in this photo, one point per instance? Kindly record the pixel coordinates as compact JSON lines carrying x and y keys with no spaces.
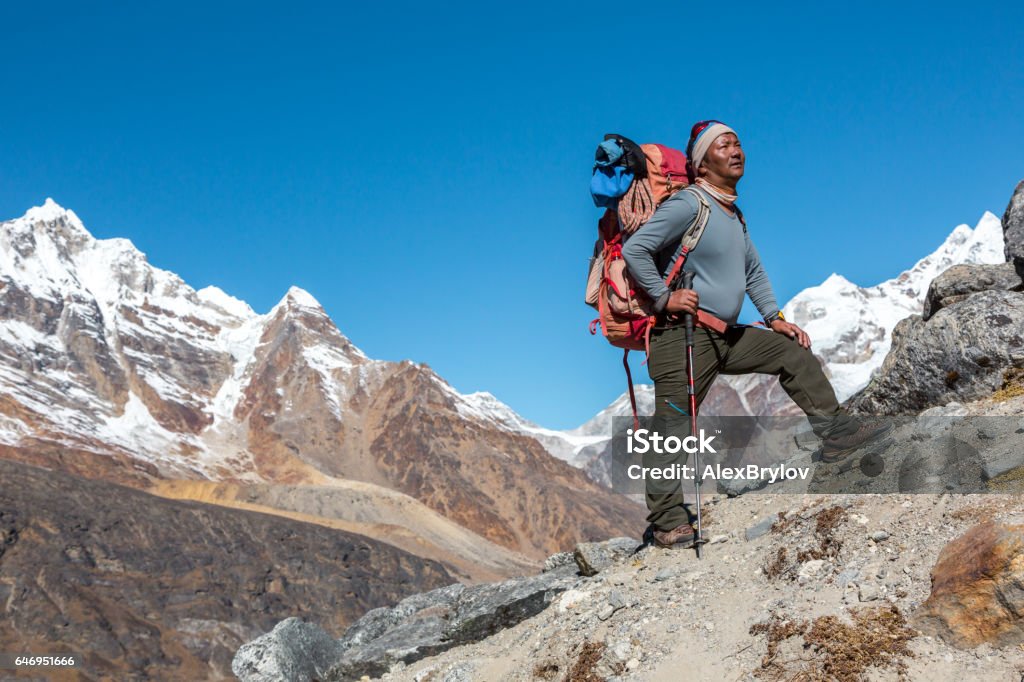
{"x":418,"y":626}
{"x":961,"y":353}
{"x":147,"y":588}
{"x":976,"y":595}
{"x":969,"y":341}
{"x":960,"y":281}
{"x":1013,"y":229}
{"x":293,"y":650}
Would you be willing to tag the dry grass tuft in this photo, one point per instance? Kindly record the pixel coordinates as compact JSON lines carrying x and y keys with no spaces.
{"x":1013,"y":385}
{"x":584,"y":669}
{"x":776,"y":630}
{"x":777,"y":565}
{"x":835,"y":650}
{"x":977,"y":513}
{"x":783,"y":523}
{"x":825,"y":525}
{"x":547,"y":670}
{"x":827,"y":545}
{"x":877,"y":637}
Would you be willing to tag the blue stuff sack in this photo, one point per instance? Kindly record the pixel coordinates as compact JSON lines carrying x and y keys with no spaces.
{"x":608,"y":153}
{"x":607,"y":184}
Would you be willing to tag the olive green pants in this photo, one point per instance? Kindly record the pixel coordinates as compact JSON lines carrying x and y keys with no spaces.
{"x":741,"y":350}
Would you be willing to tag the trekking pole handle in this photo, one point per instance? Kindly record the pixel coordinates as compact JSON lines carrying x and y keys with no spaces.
{"x":688,"y":318}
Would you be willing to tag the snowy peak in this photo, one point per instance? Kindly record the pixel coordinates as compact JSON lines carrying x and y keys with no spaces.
{"x":837,"y":282}
{"x":226,"y":303}
{"x":983,"y":244}
{"x":50,"y":212}
{"x":301,"y":298}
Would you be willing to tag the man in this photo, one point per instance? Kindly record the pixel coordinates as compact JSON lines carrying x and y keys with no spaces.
{"x":727,"y":266}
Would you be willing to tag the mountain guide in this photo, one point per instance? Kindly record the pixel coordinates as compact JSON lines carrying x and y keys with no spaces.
{"x":704,"y":219}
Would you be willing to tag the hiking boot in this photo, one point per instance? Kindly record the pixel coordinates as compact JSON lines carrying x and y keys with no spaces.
{"x":681,"y":537}
{"x":837,"y":449}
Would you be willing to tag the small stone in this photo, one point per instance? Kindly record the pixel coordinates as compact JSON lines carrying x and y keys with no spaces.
{"x":810,"y":570}
{"x":718,"y":539}
{"x":879,"y":535}
{"x":632,"y":664}
{"x":709,"y":626}
{"x":847,"y":576}
{"x":869,"y":592}
{"x":606,"y":612}
{"x":760,"y":528}
{"x":570,"y":599}
{"x":615,"y":600}
{"x":665,"y":574}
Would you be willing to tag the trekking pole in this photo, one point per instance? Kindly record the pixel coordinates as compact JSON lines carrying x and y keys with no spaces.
{"x":688,"y":319}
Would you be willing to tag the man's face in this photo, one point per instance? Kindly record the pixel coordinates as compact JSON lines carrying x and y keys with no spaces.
{"x":725,"y":158}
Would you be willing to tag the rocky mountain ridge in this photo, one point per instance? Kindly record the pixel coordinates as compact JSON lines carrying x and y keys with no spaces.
{"x":115,"y":369}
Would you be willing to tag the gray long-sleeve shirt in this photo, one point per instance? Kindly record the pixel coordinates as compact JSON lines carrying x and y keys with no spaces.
{"x":725,"y":261}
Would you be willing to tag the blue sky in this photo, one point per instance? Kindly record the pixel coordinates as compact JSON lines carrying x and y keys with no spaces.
{"x":423,"y":170}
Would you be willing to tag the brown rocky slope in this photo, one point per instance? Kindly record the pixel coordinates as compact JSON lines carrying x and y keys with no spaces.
{"x":147,"y":588}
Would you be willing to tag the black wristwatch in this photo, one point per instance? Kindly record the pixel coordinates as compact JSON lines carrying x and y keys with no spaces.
{"x":777,"y":315}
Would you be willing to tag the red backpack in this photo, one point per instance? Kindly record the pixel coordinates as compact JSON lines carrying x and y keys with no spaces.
{"x":625,"y":312}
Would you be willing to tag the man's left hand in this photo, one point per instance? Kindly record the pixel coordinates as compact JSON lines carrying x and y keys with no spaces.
{"x":792,"y":331}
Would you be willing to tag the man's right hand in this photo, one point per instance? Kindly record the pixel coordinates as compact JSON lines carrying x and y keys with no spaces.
{"x":682,"y":301}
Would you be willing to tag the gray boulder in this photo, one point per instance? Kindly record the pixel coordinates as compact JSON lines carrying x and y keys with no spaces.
{"x":293,"y":650}
{"x":594,"y":557}
{"x":1013,"y":229}
{"x":961,"y":353}
{"x":960,"y":281}
{"x":432,"y":622}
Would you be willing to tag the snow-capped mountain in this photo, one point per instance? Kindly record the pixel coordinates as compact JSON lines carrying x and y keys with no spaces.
{"x":112,"y":368}
{"x":105,"y":353}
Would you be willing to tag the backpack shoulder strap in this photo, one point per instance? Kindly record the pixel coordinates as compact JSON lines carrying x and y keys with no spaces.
{"x":700,"y":221}
{"x":739,"y":214}
{"x":692,"y":235}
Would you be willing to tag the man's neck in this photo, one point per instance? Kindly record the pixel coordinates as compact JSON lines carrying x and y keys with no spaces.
{"x":725,"y":184}
{"x":723,"y":187}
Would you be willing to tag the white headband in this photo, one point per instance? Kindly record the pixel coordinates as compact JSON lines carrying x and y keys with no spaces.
{"x":703,"y":142}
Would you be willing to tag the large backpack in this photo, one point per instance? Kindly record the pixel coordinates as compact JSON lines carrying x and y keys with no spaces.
{"x":625,"y":312}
